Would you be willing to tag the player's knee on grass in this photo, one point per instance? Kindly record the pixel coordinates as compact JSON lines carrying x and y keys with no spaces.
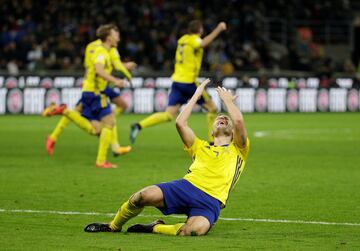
{"x":195,"y":226}
{"x":193,"y":231}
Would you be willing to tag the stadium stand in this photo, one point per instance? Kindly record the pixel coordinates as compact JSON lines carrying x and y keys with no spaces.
{"x":278,"y":34}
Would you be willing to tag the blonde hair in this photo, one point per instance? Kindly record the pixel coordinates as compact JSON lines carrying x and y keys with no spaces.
{"x":104,"y":31}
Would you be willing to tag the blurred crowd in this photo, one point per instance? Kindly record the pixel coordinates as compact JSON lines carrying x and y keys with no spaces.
{"x":39,"y":35}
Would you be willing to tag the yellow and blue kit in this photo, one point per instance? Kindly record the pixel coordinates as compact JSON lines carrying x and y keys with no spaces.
{"x":188,"y":60}
{"x":205,"y":189}
{"x":94,"y":101}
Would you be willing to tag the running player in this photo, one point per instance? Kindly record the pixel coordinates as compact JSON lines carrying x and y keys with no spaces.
{"x":97,"y":117}
{"x":113,"y":95}
{"x":188,"y":59}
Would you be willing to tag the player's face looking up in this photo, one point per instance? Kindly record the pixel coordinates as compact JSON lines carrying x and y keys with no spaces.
{"x":114,"y":37}
{"x":223,"y":126}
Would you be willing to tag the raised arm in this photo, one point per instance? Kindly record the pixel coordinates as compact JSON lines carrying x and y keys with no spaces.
{"x":209,"y":38}
{"x":240,"y":134}
{"x":186,"y":133}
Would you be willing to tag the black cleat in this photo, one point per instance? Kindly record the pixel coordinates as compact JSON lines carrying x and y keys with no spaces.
{"x":135,"y":129}
{"x":144,"y":228}
{"x":99,"y":227}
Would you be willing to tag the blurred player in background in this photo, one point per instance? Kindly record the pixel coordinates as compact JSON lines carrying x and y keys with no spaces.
{"x":97,"y":117}
{"x":113,"y":95}
{"x":188,"y":59}
{"x":205,"y":189}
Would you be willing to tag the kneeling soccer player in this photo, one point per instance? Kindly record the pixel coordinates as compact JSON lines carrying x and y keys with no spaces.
{"x":204,"y":190}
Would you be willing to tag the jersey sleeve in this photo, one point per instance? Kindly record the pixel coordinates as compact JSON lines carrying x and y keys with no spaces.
{"x":87,"y":56}
{"x":245,"y":150}
{"x":118,"y":65}
{"x":195,"y":42}
{"x":90,"y":51}
{"x":195,"y":146}
{"x":99,"y":56}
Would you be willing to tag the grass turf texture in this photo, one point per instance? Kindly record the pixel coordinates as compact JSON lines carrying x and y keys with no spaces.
{"x":301,"y":167}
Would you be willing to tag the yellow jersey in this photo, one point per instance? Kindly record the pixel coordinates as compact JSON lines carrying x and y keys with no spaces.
{"x":216,"y":169}
{"x":188,"y":59}
{"x":93,"y":82}
{"x":114,"y":57}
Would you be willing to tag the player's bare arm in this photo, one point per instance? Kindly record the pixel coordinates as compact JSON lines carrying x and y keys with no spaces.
{"x":99,"y":68}
{"x":186,"y":133}
{"x":228,"y":98}
{"x":209,"y":38}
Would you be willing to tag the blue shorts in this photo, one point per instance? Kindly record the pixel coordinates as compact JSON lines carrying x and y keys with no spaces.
{"x":92,"y":108}
{"x":181,"y":197}
{"x":110,"y":92}
{"x":180,"y":93}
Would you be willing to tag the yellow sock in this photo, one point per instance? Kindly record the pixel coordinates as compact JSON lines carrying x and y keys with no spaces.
{"x":156,"y":118}
{"x":168,"y":229}
{"x":61,"y":125}
{"x":104,"y":142}
{"x":118,"y":110}
{"x":80,"y":121}
{"x":114,"y":138}
{"x":210,"y":117}
{"x":125,"y":213}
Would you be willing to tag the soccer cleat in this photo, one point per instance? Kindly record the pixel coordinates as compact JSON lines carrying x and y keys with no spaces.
{"x":99,"y":227}
{"x":144,"y":228}
{"x":52,"y":110}
{"x":50,"y":145}
{"x":47,"y":110}
{"x":105,"y":165}
{"x":121,"y":150}
{"x":135,"y":129}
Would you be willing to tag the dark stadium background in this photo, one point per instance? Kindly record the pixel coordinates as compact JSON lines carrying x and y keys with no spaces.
{"x":316,"y":36}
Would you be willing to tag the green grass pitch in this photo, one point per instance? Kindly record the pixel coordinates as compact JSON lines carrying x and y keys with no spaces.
{"x":302,"y":167}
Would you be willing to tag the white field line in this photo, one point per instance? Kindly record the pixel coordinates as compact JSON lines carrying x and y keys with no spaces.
{"x":298,"y":132}
{"x":180,"y":216}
